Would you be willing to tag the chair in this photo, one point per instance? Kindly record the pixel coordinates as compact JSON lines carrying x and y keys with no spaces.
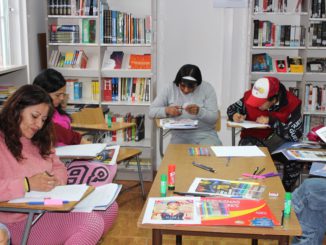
{"x":127,"y":154}
{"x":218,"y":122}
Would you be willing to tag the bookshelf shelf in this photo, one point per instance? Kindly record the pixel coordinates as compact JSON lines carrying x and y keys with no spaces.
{"x":70,"y":34}
{"x":311,"y":49}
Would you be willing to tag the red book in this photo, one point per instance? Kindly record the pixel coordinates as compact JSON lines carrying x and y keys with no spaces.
{"x":107,"y":89}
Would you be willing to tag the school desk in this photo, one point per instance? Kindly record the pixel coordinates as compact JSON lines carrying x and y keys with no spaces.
{"x":185,"y":174}
{"x":37,"y":209}
{"x":101,"y":129}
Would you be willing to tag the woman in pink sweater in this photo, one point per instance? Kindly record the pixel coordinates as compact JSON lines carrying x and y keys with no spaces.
{"x":26,"y":141}
{"x":54,"y":83}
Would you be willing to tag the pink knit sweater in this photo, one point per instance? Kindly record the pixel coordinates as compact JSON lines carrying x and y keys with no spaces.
{"x":12,"y":173}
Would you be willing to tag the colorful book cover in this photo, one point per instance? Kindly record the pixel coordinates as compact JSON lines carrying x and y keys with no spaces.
{"x":238,"y":212}
{"x":227,"y":188}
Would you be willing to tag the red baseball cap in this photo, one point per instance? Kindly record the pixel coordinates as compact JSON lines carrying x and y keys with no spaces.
{"x":263,"y":89}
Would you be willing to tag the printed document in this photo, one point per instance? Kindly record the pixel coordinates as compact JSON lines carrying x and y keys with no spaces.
{"x":237,"y":151}
{"x":247,"y":124}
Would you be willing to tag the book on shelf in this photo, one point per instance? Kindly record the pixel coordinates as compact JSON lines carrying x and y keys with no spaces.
{"x":117,"y":57}
{"x":88,"y":30}
{"x":280,"y":65}
{"x":315,"y":97}
{"x":140,"y":61}
{"x":295,"y":64}
{"x":316,"y":64}
{"x":261,"y":63}
{"x":277,"y":6}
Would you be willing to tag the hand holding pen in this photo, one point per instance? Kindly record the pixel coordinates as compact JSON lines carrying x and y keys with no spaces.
{"x":42,"y":182}
{"x":198,"y":165}
{"x":173,"y":110}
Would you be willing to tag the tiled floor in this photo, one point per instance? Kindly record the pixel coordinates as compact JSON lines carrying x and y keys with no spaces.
{"x":125,"y":231}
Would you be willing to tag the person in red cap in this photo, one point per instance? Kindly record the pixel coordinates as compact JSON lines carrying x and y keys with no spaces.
{"x":270,"y":103}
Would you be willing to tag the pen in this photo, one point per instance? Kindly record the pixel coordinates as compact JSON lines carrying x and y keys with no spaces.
{"x":261,"y":171}
{"x":42,"y":203}
{"x":191,"y":194}
{"x":255,"y":171}
{"x":204,"y":167}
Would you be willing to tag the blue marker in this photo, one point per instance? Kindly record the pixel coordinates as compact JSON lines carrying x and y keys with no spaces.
{"x":42,"y":203}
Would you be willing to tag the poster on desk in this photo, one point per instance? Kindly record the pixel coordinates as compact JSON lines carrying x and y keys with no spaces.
{"x":172,"y":210}
{"x":237,"y":212}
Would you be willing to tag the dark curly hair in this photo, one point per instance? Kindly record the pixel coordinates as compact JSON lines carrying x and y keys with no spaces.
{"x":10,"y":119}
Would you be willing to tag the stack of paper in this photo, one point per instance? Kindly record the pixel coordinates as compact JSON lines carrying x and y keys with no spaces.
{"x":100,"y":199}
{"x":80,"y":151}
{"x":170,"y":123}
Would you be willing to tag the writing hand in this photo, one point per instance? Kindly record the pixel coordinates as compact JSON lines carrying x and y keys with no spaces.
{"x":262,"y":119}
{"x":85,"y":141}
{"x":192,"y":109}
{"x":237,"y":117}
{"x":42,"y":182}
{"x":173,"y":110}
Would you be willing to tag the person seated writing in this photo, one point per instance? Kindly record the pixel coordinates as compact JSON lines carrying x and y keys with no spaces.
{"x":269,"y":102}
{"x":188,"y":97}
{"x":54,"y":83}
{"x":28,"y":163}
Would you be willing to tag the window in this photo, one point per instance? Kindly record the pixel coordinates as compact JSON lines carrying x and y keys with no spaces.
{"x":13,"y":32}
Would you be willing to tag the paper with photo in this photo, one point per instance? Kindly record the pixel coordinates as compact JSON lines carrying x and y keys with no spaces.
{"x":172,"y":210}
{"x":237,"y":151}
{"x":109,"y":155}
{"x":305,"y":155}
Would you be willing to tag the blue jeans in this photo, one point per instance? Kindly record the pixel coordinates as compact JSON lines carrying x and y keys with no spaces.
{"x":309,"y":201}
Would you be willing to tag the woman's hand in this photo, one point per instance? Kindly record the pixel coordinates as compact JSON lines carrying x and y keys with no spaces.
{"x":173,"y":111}
{"x":42,"y":182}
{"x":262,"y":119}
{"x":237,"y":117}
{"x":192,"y":109}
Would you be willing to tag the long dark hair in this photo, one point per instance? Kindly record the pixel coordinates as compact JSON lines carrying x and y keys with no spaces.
{"x":10,"y":119}
{"x":51,"y":81}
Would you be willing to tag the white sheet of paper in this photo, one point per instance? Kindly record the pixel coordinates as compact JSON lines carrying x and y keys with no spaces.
{"x":247,"y":124}
{"x":61,"y":192}
{"x":82,"y":150}
{"x":237,"y":151}
{"x":170,"y":123}
{"x":322,"y":133}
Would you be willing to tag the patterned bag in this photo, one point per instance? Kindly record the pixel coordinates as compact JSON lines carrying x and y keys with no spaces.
{"x":90,"y":172}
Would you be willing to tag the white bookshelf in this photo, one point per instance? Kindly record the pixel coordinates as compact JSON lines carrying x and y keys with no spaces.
{"x":95,"y":53}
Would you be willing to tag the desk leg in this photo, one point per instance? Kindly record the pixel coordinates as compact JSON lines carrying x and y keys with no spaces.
{"x":178,"y":239}
{"x":284,"y":240}
{"x":161,"y":142}
{"x":233,"y":136}
{"x":28,"y":227}
{"x":156,"y":237}
{"x":140,"y":177}
{"x":254,"y":241}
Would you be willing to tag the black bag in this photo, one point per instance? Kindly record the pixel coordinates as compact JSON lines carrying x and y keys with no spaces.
{"x":273,"y":142}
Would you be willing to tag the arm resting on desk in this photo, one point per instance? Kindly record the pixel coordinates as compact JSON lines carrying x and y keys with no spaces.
{"x":67,"y":136}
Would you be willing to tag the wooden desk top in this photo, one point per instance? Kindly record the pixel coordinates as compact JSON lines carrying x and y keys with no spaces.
{"x":65,"y":207}
{"x":103,"y":127}
{"x":186,"y":172}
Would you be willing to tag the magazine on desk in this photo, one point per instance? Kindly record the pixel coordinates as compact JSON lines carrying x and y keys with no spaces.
{"x":181,"y":123}
{"x":227,"y":188}
{"x":305,"y":155}
{"x":208,"y":211}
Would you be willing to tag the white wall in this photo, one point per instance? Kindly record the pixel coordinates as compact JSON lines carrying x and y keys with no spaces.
{"x":35,"y":24}
{"x":192,"y":31}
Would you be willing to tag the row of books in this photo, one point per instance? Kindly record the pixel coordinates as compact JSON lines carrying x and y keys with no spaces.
{"x":127,"y":89}
{"x":120,"y":60}
{"x":71,"y":59}
{"x":72,"y":7}
{"x":64,"y":33}
{"x":277,"y":6}
{"x":77,"y":90}
{"x":318,"y":9}
{"x":317,"y":34}
{"x":263,"y":62}
{"x":268,"y":34}
{"x":315,"y":97}
{"x":311,"y":121}
{"x":131,"y":134}
{"x":88,"y":31}
{"x":122,"y":27}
